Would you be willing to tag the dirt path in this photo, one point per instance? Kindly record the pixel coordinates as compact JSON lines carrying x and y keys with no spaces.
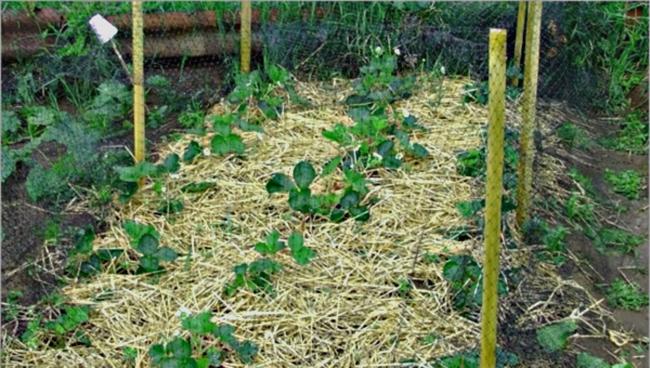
{"x":592,"y":163}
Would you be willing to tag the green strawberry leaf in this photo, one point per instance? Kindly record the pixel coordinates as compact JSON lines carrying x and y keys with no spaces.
{"x":304,"y":174}
{"x":199,"y":324}
{"x":299,"y":200}
{"x":279,"y":183}
{"x":197,"y":187}
{"x":330,"y":166}
{"x":148,"y":245}
{"x":166,"y":254}
{"x":192,"y":150}
{"x":171,"y":164}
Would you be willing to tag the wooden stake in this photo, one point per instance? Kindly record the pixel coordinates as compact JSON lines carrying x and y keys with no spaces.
{"x":519,"y":39}
{"x":529,"y":101}
{"x":245,"y":47}
{"x":138,"y":81}
{"x":493,"y":189}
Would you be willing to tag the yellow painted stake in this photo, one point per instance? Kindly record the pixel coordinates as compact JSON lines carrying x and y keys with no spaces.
{"x":138,"y":81}
{"x":493,"y":188}
{"x":528,"y":111}
{"x":245,"y":39}
{"x":519,"y":39}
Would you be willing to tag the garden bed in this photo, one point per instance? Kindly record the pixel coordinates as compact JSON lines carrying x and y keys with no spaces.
{"x":374,"y":295}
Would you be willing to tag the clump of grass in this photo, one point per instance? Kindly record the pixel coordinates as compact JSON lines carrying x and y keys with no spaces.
{"x":626,"y":295}
{"x":626,"y":182}
{"x":581,"y":180}
{"x":632,"y":138}
{"x":573,"y":136}
{"x":580,"y":208}
{"x":618,"y":240}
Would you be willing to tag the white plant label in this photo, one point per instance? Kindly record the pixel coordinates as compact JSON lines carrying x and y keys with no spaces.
{"x":104,"y":30}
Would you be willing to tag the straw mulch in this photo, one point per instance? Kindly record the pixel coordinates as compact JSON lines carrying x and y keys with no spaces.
{"x":343,"y":309}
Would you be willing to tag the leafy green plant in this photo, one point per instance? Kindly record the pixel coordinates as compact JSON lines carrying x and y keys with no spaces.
{"x":376,"y":140}
{"x":335,"y":206}
{"x":465,"y":277}
{"x":145,"y":240}
{"x":264,"y":90}
{"x":626,"y":182}
{"x":192,"y":118}
{"x":583,"y":181}
{"x":206,"y":347}
{"x":192,"y":150}
{"x":11,"y":309}
{"x":554,"y":337}
{"x":478,"y":92}
{"x":145,"y":169}
{"x":472,"y":162}
{"x":225,"y":141}
{"x":633,"y":137}
{"x":256,"y":276}
{"x":626,"y":295}
{"x":618,"y":240}
{"x":83,"y":261}
{"x":470,"y":359}
{"x":579,"y":208}
{"x":379,"y":85}
{"x":112,"y":102}
{"x":573,"y":136}
{"x":59,"y":331}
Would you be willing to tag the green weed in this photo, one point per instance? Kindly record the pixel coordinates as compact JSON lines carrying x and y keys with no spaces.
{"x":465,"y":277}
{"x":582,"y":181}
{"x":573,"y":136}
{"x":618,"y":240}
{"x":580,"y":208}
{"x":625,"y":295}
{"x":554,"y":337}
{"x":626,"y":183}
{"x":633,"y":137}
{"x":11,"y":308}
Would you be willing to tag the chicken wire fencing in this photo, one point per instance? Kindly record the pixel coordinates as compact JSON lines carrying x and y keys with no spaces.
{"x":197,"y":51}
{"x":61,"y":84}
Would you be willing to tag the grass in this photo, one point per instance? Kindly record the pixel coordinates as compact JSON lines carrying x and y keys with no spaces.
{"x":573,"y":136}
{"x":626,"y":295}
{"x":582,"y":181}
{"x":626,"y":182}
{"x":632,"y":138}
{"x":618,"y":240}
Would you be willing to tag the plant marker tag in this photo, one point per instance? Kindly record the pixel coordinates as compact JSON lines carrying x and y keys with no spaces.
{"x":103,"y":29}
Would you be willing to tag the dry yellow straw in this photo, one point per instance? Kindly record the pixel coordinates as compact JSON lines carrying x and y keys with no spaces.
{"x":138,"y":81}
{"x":526,"y":149}
{"x":245,"y":36}
{"x":519,"y":39}
{"x":491,"y":232}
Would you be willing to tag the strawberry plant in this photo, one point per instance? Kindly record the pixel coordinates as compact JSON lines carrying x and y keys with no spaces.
{"x":465,"y":277}
{"x":256,"y":276}
{"x":206,"y":347}
{"x":225,"y":141}
{"x":337,"y":207}
{"x":375,"y":139}
{"x":145,"y":240}
{"x":83,"y":261}
{"x":379,"y":85}
{"x":264,"y":90}
{"x":192,"y":150}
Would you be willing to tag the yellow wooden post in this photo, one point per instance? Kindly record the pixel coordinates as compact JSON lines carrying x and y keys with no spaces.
{"x":138,"y":81}
{"x":245,"y":30}
{"x":519,"y":38}
{"x":528,"y":111}
{"x":493,"y":189}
